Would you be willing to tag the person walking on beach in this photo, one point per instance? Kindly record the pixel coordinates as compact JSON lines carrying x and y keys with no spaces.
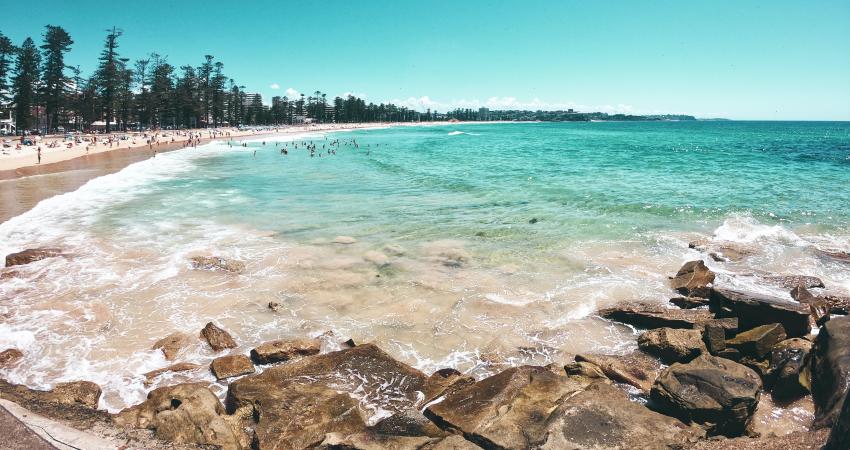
{"x":39,"y":155}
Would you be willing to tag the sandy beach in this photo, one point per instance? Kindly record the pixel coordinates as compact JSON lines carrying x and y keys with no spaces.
{"x":24,"y":182}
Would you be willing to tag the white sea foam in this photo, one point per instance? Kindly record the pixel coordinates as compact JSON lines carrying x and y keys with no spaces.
{"x":747,"y":230}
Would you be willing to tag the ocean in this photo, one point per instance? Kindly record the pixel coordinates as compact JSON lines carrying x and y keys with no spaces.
{"x":473,"y":246}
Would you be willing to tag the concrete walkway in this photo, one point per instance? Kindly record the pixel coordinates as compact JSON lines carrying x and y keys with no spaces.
{"x":22,"y":429}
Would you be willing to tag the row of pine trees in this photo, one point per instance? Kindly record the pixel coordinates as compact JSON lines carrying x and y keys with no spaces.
{"x":40,"y":88}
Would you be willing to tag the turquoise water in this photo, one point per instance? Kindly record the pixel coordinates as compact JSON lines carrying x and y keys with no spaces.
{"x":474,"y":246}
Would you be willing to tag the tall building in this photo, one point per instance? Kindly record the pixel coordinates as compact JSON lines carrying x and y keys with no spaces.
{"x":251,"y":98}
{"x":483,"y":113}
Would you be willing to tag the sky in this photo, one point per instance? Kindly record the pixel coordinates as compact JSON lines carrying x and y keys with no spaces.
{"x":738,"y":59}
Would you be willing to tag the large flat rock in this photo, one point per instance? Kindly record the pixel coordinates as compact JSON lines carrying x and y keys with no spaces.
{"x":652,"y":315}
{"x":753,"y":310}
{"x":831,"y":369}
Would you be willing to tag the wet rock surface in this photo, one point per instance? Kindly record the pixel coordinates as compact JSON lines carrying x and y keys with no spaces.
{"x":284,"y":350}
{"x":185,"y":413}
{"x":716,"y":392}
{"x":172,"y":344}
{"x":754,"y":309}
{"x":758,"y":341}
{"x":231,"y":366}
{"x":672,"y":345}
{"x":789,"y":375}
{"x":10,"y":356}
{"x":831,"y":370}
{"x":217,"y":338}
{"x":31,"y":255}
{"x":694,"y":279}
{"x":213,"y":263}
{"x":651,"y":315}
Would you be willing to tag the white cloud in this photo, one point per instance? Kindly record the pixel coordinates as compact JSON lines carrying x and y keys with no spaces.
{"x":274,"y":86}
{"x":291,"y":93}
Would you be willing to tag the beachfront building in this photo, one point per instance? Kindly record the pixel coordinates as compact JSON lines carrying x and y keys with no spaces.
{"x":252,"y":98}
{"x":483,"y":113}
{"x":7,"y":125}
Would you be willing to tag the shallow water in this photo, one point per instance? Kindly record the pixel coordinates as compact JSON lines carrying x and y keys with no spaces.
{"x":447,"y":268}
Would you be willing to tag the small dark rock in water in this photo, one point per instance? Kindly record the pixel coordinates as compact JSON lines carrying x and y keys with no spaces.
{"x":217,"y":338}
{"x":274,"y":306}
{"x":716,"y":392}
{"x":10,"y":356}
{"x":533,"y":221}
{"x":759,"y":341}
{"x":753,"y":309}
{"x":179,"y":367}
{"x":694,"y":279}
{"x":786,"y":368}
{"x":231,"y":366}
{"x":480,"y":234}
{"x":31,"y":255}
{"x":831,"y":370}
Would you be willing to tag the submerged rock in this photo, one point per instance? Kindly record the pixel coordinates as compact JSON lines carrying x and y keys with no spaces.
{"x":650,"y":315}
{"x":217,"y":338}
{"x":186,"y":414}
{"x":344,"y":240}
{"x":31,"y":255}
{"x":794,"y":281}
{"x":179,"y":367}
{"x":831,"y":370}
{"x":10,"y":356}
{"x":716,"y":392}
{"x":217,"y":263}
{"x":758,"y":341}
{"x":672,"y":345}
{"x":694,"y":279}
{"x":231,"y":366}
{"x":172,"y":344}
{"x":284,"y":350}
{"x":754,"y":309}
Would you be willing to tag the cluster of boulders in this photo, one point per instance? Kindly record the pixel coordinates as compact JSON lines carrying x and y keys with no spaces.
{"x":704,"y":364}
{"x":726,"y":347}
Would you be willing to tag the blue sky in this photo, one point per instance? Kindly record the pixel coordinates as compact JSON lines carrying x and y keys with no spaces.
{"x":736,"y":59}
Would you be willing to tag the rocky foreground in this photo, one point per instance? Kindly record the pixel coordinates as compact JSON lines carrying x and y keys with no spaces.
{"x":703,"y":367}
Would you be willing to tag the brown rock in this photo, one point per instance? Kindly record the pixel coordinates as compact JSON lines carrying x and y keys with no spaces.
{"x":179,"y":367}
{"x":364,"y":371}
{"x":10,"y":356}
{"x":172,"y":344}
{"x":585,"y":373}
{"x":758,"y":341}
{"x":650,"y":315}
{"x":375,"y":441}
{"x":831,"y":370}
{"x":689,"y":302}
{"x":787,"y":376}
{"x":185,"y":414}
{"x":217,"y":338}
{"x":798,"y":440}
{"x":637,"y":369}
{"x":31,"y":255}
{"x":231,"y":366}
{"x":444,"y":381}
{"x":217,"y":263}
{"x":530,"y":407}
{"x":407,"y":423}
{"x":694,"y":279}
{"x":714,"y":337}
{"x":730,"y":353}
{"x":716,"y":392}
{"x":84,"y":393}
{"x":284,"y":350}
{"x":672,"y":345}
{"x":754,"y":310}
{"x":839,"y":437}
{"x":794,"y":281}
